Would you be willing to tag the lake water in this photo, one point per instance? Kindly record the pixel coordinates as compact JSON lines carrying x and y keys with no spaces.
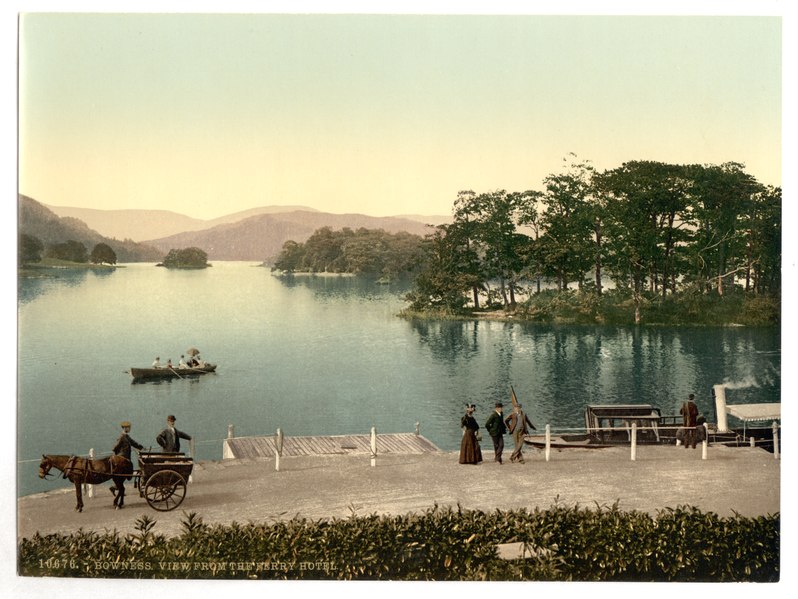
{"x":328,"y":355}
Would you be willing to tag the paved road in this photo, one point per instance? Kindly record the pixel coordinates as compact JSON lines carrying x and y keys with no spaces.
{"x":742,"y":480}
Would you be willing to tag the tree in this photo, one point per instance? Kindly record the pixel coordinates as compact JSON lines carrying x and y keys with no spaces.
{"x":444,"y":278}
{"x":103,"y":254}
{"x":324,"y":250}
{"x":30,"y":249}
{"x":569,"y":222}
{"x":192,"y":257}
{"x":291,"y":257}
{"x":486,"y":224}
{"x":647,"y":214}
{"x":71,"y":251}
{"x":721,"y":196}
{"x":529,"y":216}
{"x":464,"y":231}
{"x":762,"y":227}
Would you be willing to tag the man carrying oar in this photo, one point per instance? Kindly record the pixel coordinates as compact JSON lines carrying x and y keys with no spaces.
{"x":517,"y":424}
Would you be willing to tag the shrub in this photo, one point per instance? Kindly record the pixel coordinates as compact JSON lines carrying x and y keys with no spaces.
{"x":567,"y":543}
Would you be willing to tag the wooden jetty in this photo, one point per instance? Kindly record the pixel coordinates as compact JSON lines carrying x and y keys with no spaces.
{"x":265,"y":447}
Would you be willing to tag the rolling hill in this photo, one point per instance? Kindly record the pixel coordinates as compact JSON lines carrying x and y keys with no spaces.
{"x":140,"y":224}
{"x":254,"y":234}
{"x":39,"y":221}
{"x":262,"y":237}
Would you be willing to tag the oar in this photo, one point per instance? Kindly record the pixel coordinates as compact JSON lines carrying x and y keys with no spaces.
{"x":178,"y":376}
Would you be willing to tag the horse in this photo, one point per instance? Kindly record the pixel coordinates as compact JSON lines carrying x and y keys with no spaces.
{"x":83,"y":471}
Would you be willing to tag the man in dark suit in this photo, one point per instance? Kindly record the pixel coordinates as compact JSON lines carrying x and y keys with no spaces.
{"x":125,"y":442}
{"x":169,"y":438}
{"x":496,"y":429}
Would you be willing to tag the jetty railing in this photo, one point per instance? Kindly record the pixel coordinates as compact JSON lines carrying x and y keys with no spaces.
{"x":633,"y":431}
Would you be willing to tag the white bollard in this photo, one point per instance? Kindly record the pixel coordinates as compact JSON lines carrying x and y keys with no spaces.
{"x":548,"y":442}
{"x":278,"y":442}
{"x":634,"y":441}
{"x":231,"y":431}
{"x":373,"y":446}
{"x":418,"y":429}
{"x":751,"y":441}
{"x":775,"y":440}
{"x":704,"y":445}
{"x":191,"y":453}
{"x":89,"y":489}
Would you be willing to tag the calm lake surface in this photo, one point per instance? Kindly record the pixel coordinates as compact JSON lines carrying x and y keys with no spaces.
{"x":328,"y":355}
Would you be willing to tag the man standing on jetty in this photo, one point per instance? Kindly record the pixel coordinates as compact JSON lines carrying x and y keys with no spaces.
{"x":689,"y":414}
{"x":169,"y":438}
{"x":517,"y":422}
{"x":496,"y":429}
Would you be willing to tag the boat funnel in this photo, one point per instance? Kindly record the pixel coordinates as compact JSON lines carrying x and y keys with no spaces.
{"x":720,"y":408}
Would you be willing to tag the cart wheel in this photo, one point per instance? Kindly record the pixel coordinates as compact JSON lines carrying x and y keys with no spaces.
{"x":165,"y":490}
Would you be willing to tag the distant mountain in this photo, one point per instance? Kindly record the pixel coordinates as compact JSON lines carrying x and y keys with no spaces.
{"x":262,"y":237}
{"x":37,"y":220}
{"x":434,"y":220}
{"x":151,"y":224}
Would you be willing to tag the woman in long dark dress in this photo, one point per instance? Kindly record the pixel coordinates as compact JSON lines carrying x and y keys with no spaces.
{"x":470,"y":452}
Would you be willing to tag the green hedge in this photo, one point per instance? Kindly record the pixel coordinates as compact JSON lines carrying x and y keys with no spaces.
{"x":568,"y":543}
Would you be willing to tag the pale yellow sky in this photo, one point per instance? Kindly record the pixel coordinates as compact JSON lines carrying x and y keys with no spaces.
{"x":381,"y":114}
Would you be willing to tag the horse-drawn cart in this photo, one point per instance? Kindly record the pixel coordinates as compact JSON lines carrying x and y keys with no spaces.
{"x":162,"y":478}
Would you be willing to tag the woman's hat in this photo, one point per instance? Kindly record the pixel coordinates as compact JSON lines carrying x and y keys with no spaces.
{"x":124,"y":424}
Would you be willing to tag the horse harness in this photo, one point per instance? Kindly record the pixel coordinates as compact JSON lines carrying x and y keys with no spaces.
{"x":70,"y":467}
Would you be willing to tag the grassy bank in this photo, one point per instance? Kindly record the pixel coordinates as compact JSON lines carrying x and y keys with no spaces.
{"x":614,"y":308}
{"x":600,"y":544}
{"x":37,"y":268}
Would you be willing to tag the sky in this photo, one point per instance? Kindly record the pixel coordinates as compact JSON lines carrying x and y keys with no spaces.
{"x":209,"y":114}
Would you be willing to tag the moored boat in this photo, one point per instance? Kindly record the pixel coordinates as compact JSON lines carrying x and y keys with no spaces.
{"x":611,"y":426}
{"x":170,"y":373}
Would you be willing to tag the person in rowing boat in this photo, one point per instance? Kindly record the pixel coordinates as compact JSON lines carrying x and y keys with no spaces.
{"x":125,"y":442}
{"x":169,"y":438}
{"x":182,"y":362}
{"x":496,"y":429}
{"x":157,"y":362}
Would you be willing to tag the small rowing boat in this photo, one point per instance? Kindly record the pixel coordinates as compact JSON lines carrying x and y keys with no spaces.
{"x":140,"y":374}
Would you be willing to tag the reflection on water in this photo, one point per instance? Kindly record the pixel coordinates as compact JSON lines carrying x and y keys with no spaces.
{"x":42,"y":281}
{"x":335,"y":286}
{"x":328,"y":355}
{"x":36,"y":282}
{"x":450,"y":342}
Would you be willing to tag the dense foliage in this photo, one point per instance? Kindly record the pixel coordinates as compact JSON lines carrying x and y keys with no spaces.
{"x":192,"y":257}
{"x":30,"y":249}
{"x":652,"y":230}
{"x":103,"y":254}
{"x":364,"y":251}
{"x":70,"y":250}
{"x":565,"y":543}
